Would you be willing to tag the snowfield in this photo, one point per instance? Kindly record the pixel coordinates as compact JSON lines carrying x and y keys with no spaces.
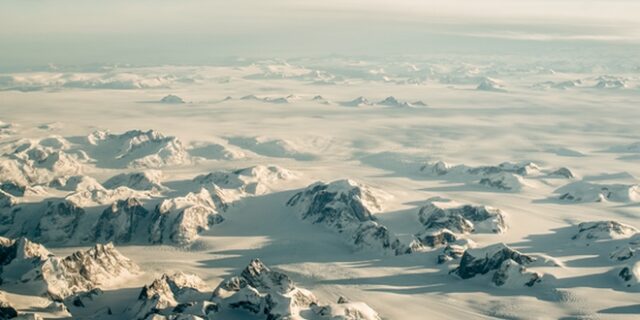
{"x":322,"y":188}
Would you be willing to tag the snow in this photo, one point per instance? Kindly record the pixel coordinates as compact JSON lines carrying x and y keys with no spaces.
{"x":204,"y":189}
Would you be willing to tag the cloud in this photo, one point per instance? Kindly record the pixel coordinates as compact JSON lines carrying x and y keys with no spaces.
{"x":193,"y":31}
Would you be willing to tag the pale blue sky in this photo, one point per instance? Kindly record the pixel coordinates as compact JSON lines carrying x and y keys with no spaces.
{"x":35,"y":32}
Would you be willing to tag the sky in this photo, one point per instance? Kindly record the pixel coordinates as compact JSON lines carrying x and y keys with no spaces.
{"x":38,"y":32}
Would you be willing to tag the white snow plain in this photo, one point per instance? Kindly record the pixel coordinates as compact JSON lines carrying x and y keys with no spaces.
{"x":550,"y":144}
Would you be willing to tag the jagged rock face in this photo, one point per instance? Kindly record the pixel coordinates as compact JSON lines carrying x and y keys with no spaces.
{"x":176,"y":220}
{"x":582,"y":191}
{"x":261,"y":277}
{"x":59,"y":222}
{"x":150,"y":180}
{"x":7,"y":311}
{"x":503,"y":181}
{"x":260,"y":290}
{"x":436,"y":238}
{"x":82,"y":299}
{"x":85,"y":270}
{"x":603,"y":230}
{"x":450,"y":252}
{"x":345,"y":207}
{"x":455,"y":250}
{"x":340,"y":203}
{"x":512,"y":275}
{"x":191,"y":221}
{"x":462,"y":218}
{"x":120,"y":222}
{"x":18,"y":257}
{"x":138,"y":149}
{"x":179,"y":294}
{"x":155,"y":297}
{"x":483,"y":260}
{"x":59,"y":278}
{"x":21,"y":249}
{"x":373,"y":236}
{"x":180,"y":220}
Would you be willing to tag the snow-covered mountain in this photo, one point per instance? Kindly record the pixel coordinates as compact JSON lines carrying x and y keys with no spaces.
{"x":264,"y":292}
{"x":507,"y":265}
{"x":535,"y":215}
{"x":42,"y":273}
{"x":347,"y":208}
{"x":255,"y":180}
{"x":506,"y":176}
{"x":171,"y":99}
{"x":582,"y":191}
{"x":136,"y":149}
